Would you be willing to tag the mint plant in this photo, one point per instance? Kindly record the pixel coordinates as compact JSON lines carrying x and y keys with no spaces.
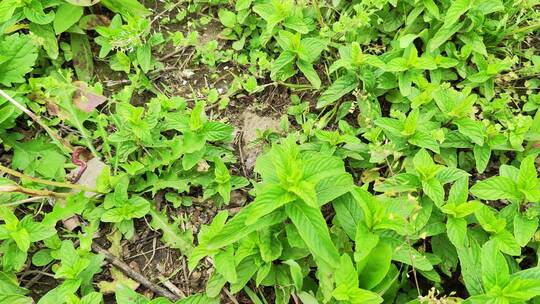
{"x":18,"y":236}
{"x":520,"y":186}
{"x":269,"y":151}
{"x":299,"y":52}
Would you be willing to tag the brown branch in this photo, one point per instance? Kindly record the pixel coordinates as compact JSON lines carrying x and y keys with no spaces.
{"x":172,"y":287}
{"x":230,"y":296}
{"x":133,"y":274}
{"x":44,"y":181}
{"x":31,"y":192}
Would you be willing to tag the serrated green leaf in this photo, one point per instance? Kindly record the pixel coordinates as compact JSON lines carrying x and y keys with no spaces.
{"x":269,"y":246}
{"x":456,"y":229}
{"x":314,"y":231}
{"x":342,"y":86}
{"x":236,"y":228}
{"x":245,"y":270}
{"x":434,"y":190}
{"x":18,"y":57}
{"x":34,"y":11}
{"x":227,"y":18}
{"x":507,"y":243}
{"x":524,"y":228}
{"x":528,"y":178}
{"x":311,"y":49}
{"x":376,"y":267}
{"x":296,"y":273}
{"x":199,"y":299}
{"x":521,"y":290}
{"x":496,"y":188}
{"x":487,"y":219}
{"x":224,"y":265}
{"x":425,"y":140}
{"x":10,"y":290}
{"x":424,"y":164}
{"x":282,"y":68}
{"x":473,"y":129}
{"x":7,"y":8}
{"x":242,"y":4}
{"x":456,"y":10}
{"x":482,"y":155}
{"x":310,"y":73}
{"x":346,"y":273}
{"x":397,"y":65}
{"x":494,"y":267}
{"x":442,"y":35}
{"x":271,"y":198}
{"x":126,"y":7}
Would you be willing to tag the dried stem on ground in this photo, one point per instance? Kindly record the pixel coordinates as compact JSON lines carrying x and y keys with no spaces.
{"x":133,"y":274}
{"x":44,"y":181}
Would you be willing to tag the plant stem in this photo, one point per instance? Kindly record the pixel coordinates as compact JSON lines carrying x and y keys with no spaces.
{"x":79,"y":126}
{"x":24,"y":201}
{"x":44,"y":181}
{"x":57,"y":139}
{"x":32,"y":192}
{"x":133,"y":274}
{"x":525,"y":29}
{"x":296,"y":86}
{"x":315,"y":4}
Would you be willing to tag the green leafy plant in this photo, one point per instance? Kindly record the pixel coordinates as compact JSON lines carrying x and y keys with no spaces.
{"x":18,"y":236}
{"x":121,"y":209}
{"x":394,"y":143}
{"x":516,"y":185}
{"x":299,"y":52}
{"x":77,"y":268}
{"x":131,"y":38}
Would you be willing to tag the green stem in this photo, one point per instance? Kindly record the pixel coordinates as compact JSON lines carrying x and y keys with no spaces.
{"x":296,"y":86}
{"x":315,"y":4}
{"x":81,"y":129}
{"x":31,"y":192}
{"x":24,"y":201}
{"x":525,"y":29}
{"x":44,"y":181}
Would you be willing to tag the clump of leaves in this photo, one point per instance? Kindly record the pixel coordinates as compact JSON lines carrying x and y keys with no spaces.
{"x":419,"y":171}
{"x":131,"y":41}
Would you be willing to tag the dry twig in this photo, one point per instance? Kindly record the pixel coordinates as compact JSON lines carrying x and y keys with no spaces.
{"x":230,"y":296}
{"x":44,"y":181}
{"x":31,"y":192}
{"x":133,"y":274}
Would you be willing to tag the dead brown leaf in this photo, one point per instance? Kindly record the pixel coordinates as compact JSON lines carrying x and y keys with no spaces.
{"x":86,"y":100}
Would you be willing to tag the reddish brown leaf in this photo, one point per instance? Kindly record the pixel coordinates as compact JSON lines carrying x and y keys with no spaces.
{"x":52,"y":108}
{"x":86,"y":100}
